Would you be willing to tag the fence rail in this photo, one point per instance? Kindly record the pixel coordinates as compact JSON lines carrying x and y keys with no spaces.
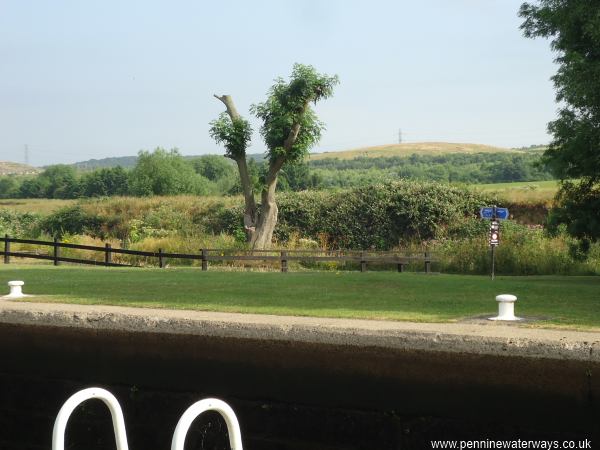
{"x":206,"y":255}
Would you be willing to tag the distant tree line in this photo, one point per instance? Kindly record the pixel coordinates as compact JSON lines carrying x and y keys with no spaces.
{"x":166,"y":172}
{"x":473,"y":168}
{"x":160,"y":172}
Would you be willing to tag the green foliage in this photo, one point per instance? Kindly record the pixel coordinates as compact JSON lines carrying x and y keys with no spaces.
{"x":573,"y":153}
{"x":298,"y":177}
{"x":452,"y":167}
{"x":71,"y":220}
{"x":288,"y":105}
{"x":214,"y":167}
{"x":9,"y":187}
{"x":17,"y":224}
{"x":235,"y":135}
{"x":104,"y":182}
{"x":32,"y":188}
{"x":377,"y":217}
{"x":579,"y":209}
{"x":226,"y":220}
{"x":61,"y":181}
{"x":165,"y":173}
{"x":58,"y":181}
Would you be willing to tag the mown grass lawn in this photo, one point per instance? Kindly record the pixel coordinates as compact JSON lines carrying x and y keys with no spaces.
{"x":556,"y":300}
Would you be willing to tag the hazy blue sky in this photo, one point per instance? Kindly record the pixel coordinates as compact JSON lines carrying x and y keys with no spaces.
{"x":91,"y":79}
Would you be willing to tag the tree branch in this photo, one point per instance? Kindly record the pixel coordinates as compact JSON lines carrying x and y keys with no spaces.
{"x":231,"y":109}
{"x":293,"y":134}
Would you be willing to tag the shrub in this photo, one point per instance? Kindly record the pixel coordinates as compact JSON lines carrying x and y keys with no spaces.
{"x":17,"y":224}
{"x":72,"y":220}
{"x":377,"y":217}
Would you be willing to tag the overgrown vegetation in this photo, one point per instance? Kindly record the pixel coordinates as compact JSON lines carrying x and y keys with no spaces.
{"x":401,"y":215}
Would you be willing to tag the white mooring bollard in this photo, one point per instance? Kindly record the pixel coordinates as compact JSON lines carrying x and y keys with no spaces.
{"x":506,"y":307}
{"x":15,"y":290}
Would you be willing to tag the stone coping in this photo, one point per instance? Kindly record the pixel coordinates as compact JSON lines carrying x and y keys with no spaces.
{"x":491,"y":338}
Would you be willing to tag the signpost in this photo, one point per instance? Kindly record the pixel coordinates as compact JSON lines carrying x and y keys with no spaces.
{"x":487,"y":212}
{"x":493,"y":213}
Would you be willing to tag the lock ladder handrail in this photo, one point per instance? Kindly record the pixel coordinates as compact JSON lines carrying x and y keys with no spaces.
{"x":208,"y":404}
{"x":60,"y":425}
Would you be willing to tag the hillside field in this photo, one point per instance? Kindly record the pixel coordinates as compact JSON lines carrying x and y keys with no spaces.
{"x":407,"y":149}
{"x":14,"y":168}
{"x":530,"y":192}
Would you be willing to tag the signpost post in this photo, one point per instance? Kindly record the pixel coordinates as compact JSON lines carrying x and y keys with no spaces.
{"x":493,"y":213}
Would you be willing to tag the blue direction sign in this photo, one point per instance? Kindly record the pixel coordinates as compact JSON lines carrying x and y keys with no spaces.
{"x":502,"y":213}
{"x":487,"y":212}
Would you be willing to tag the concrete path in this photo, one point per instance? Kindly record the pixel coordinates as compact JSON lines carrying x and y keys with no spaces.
{"x":485,"y":338}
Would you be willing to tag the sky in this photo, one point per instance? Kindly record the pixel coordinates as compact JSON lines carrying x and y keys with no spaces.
{"x":95,"y":79}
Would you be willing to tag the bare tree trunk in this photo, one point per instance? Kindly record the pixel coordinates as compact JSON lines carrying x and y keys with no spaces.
{"x":267,"y":219}
{"x":250,"y":209}
{"x":268,"y":209}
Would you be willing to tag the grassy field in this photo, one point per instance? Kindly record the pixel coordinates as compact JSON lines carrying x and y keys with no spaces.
{"x":407,"y":149}
{"x":38,"y":205}
{"x":571,"y":302}
{"x":522,"y":192}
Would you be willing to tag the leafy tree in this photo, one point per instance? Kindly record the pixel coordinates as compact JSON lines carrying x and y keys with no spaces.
{"x":297,"y":177}
{"x":59,"y":181}
{"x":32,"y":188}
{"x":104,"y":182}
{"x":8,"y":187}
{"x":290,"y":128}
{"x":574,"y":153}
{"x":213,"y":167}
{"x":165,"y":173}
{"x":580,"y":203}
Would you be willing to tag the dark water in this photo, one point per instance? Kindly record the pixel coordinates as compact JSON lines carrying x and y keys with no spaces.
{"x":287,"y":396}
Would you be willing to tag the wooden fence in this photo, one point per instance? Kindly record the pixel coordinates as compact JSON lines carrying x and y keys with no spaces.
{"x":205,"y":255}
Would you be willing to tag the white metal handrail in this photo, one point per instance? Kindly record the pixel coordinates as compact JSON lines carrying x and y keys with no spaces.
{"x":208,"y":404}
{"x":60,"y":425}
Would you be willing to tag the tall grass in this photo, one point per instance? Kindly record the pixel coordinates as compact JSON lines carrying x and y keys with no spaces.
{"x":522,"y":251}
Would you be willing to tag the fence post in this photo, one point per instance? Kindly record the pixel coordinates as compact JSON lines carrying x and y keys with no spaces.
{"x":204,"y":259}
{"x":107,"y":254}
{"x":363,"y":263}
{"x":56,"y":252}
{"x":160,"y":258}
{"x":284,"y":263}
{"x":400,"y":267}
{"x":427,"y":263}
{"x":6,"y":249}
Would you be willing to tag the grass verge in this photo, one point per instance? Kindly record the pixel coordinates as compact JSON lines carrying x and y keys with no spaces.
{"x":561,"y":301}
